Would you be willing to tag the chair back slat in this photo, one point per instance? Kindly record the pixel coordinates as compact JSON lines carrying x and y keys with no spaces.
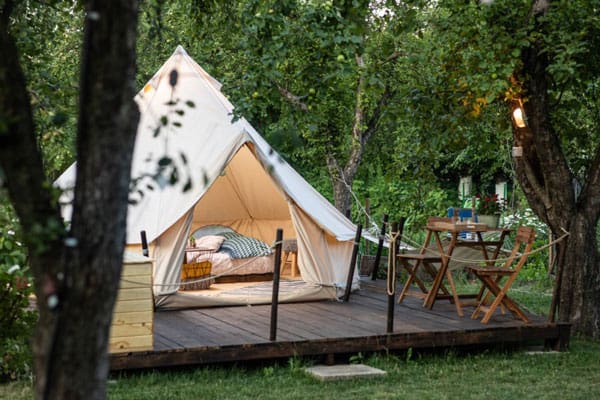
{"x":523,"y":245}
{"x":492,"y":278}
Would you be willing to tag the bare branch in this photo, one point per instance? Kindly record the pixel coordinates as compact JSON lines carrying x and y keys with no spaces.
{"x":292,"y":98}
{"x":590,"y":193}
{"x":534,"y":183}
{"x":373,"y":122}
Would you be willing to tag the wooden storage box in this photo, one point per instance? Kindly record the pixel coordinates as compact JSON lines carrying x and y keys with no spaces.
{"x":196,"y":276}
{"x":133,"y":315}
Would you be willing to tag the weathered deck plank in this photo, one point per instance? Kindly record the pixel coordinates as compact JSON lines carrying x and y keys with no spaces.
{"x":225,"y":334}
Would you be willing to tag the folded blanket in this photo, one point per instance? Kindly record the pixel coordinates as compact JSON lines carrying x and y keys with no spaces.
{"x":240,"y":246}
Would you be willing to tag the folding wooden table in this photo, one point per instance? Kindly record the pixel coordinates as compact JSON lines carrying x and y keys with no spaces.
{"x":435,"y":227}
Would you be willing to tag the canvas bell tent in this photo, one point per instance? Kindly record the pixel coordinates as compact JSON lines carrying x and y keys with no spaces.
{"x":236,"y":178}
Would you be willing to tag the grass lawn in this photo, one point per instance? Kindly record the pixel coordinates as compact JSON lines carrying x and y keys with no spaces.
{"x":574,"y":374}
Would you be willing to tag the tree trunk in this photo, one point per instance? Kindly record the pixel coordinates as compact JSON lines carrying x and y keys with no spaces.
{"x":580,"y":278}
{"x":77,"y":273}
{"x":548,"y":184}
{"x":341,"y":192}
{"x":342,"y":178}
{"x":77,"y":363}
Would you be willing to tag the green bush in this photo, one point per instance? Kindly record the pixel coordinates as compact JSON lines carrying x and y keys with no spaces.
{"x":535,"y":269}
{"x":17,"y":318}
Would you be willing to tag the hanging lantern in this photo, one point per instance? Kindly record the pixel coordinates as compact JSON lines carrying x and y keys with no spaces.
{"x":519,"y":118}
{"x":518,"y":114}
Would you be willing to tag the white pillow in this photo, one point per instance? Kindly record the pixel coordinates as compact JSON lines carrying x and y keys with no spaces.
{"x":210,"y":242}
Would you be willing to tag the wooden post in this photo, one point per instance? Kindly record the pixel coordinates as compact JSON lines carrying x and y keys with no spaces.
{"x":276,"y":274}
{"x":352,"y":263}
{"x":379,"y":247}
{"x":145,"y":252}
{"x":392,"y":295}
{"x":367,"y":221}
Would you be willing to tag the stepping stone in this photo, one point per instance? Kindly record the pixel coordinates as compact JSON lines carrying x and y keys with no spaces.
{"x":346,"y":371}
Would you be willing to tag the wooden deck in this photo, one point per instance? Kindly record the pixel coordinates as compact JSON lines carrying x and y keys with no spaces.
{"x":213,"y":335}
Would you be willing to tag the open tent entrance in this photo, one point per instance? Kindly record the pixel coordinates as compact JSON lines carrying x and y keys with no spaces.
{"x":246,"y":198}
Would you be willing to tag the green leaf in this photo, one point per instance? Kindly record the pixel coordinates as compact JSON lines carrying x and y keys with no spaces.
{"x":187,"y":186}
{"x":173,"y":77}
{"x":59,"y":119}
{"x":165,"y":161}
{"x":174,"y":177}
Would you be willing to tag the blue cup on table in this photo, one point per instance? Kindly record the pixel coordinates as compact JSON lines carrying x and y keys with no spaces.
{"x":464,"y":215}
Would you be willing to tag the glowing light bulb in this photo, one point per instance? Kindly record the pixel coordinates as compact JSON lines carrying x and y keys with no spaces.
{"x":519,"y":118}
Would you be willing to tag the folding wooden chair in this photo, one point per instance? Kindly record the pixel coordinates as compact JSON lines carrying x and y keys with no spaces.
{"x":412,"y":262}
{"x":492,"y":278}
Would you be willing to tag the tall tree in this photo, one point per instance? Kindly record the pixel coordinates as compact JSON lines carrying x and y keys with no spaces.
{"x":315,"y":77}
{"x":77,"y":269}
{"x":542,"y":55}
{"x":565,"y":198}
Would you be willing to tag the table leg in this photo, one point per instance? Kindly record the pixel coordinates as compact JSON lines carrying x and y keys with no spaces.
{"x":444,"y":272}
{"x":454,"y":294}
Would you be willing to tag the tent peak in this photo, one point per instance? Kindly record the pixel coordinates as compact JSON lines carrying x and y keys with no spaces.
{"x":180,"y":50}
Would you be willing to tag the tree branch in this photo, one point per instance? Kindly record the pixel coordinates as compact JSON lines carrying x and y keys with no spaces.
{"x":534,"y":182}
{"x":589,"y":197}
{"x":373,"y":122}
{"x":295,"y":100}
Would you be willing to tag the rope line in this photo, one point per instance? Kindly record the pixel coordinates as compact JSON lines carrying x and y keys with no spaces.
{"x":391,"y":280}
{"x":373,"y":225}
{"x":208,"y":278}
{"x":475,"y":261}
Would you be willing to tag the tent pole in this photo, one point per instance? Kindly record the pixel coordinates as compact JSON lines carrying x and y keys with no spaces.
{"x":276,"y":274}
{"x":379,"y":247}
{"x":352,"y":263}
{"x":145,"y":251}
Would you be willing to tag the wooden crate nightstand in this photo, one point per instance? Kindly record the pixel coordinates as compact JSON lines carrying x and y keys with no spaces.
{"x":133,"y":315}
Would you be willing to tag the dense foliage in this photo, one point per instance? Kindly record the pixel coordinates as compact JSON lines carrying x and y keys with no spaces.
{"x":17,"y":318}
{"x":49,"y":40}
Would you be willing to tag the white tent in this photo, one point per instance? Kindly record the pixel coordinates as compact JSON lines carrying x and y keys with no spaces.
{"x":237,"y":180}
